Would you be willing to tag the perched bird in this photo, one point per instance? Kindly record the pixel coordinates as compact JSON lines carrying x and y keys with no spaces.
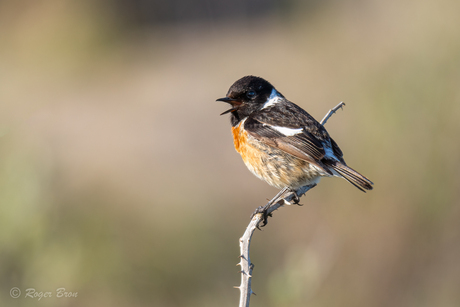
{"x":280,"y":142}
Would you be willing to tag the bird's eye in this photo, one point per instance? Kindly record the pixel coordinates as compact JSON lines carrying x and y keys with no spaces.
{"x":251,"y":94}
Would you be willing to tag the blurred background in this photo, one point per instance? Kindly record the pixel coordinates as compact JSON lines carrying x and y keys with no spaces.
{"x":119,"y":180}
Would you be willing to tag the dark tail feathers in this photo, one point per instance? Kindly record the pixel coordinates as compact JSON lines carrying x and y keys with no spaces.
{"x":351,"y":175}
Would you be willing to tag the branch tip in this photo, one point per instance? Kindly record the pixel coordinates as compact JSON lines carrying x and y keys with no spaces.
{"x":332,"y":111}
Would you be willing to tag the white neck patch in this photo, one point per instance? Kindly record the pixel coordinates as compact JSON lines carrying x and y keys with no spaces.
{"x":273,"y":99}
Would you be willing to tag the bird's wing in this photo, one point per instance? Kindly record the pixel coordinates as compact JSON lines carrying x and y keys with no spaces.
{"x":295,"y":141}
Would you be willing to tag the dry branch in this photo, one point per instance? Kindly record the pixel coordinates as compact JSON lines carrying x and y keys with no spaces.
{"x":245,"y":241}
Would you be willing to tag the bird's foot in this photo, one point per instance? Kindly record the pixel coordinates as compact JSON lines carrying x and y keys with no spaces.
{"x":296,"y":198}
{"x":264,"y":211}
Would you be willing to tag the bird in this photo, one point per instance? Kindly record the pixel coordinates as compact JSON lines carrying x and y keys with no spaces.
{"x":280,"y":142}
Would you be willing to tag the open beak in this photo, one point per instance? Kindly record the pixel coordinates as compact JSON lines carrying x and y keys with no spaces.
{"x":234,"y":102}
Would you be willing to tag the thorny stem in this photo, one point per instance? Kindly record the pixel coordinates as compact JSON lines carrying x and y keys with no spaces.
{"x":245,"y":242}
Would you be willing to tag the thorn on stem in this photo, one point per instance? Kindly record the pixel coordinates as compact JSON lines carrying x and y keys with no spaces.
{"x":244,"y":273}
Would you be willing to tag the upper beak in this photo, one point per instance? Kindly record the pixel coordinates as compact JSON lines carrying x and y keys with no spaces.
{"x":234,"y":102}
{"x":229,"y":100}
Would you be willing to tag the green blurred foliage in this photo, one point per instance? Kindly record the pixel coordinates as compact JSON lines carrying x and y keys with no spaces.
{"x":113,"y":184}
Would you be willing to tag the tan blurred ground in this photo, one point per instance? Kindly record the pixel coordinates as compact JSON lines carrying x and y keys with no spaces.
{"x":119,"y":181}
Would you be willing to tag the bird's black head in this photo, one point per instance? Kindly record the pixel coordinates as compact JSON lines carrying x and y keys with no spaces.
{"x":247,"y":95}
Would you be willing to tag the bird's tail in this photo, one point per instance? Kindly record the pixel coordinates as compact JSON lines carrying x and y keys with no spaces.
{"x":352,"y":176}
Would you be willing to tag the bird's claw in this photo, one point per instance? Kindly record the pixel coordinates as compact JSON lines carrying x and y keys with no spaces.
{"x":264,"y":211}
{"x":296,"y":199}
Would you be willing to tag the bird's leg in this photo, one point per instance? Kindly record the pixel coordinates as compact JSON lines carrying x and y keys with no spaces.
{"x":264,"y":209}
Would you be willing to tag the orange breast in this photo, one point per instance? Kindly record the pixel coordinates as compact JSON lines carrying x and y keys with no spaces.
{"x":254,"y":153}
{"x":251,"y":155}
{"x":240,"y":138}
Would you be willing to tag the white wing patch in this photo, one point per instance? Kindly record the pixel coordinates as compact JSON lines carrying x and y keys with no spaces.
{"x":272,"y":100}
{"x":287,"y":131}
